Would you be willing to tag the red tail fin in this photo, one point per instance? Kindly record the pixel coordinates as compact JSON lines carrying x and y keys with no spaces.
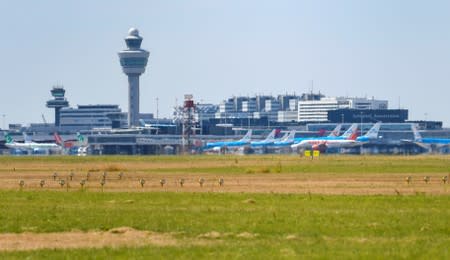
{"x":58,"y":138}
{"x":353,"y":136}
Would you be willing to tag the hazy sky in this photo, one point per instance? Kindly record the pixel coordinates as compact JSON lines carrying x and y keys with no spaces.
{"x":395,"y":50}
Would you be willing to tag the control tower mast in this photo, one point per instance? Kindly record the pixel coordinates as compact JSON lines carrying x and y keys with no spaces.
{"x":133,"y":61}
{"x":58,"y":102}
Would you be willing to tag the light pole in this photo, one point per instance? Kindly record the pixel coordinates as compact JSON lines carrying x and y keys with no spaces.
{"x":157,"y":110}
{"x":361,"y":131}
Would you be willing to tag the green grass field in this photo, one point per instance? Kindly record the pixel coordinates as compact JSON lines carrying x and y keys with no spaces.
{"x":235,"y":225}
{"x":288,"y":226}
{"x":234,"y":164}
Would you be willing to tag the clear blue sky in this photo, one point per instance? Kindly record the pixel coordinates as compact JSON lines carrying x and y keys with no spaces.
{"x":215,"y":49}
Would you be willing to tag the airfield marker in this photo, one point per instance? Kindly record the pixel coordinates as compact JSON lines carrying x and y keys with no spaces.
{"x":82,"y":183}
{"x":102,"y":183}
{"x":21,"y":184}
{"x":408,"y":179}
{"x":201,"y":181}
{"x":142,"y":182}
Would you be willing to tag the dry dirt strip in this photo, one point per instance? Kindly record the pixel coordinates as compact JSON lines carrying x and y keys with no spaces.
{"x":114,"y":238}
{"x":118,"y":237}
{"x":351,"y":184}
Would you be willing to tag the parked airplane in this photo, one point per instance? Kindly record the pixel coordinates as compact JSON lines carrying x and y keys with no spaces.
{"x":73,"y":146}
{"x":348,"y":138}
{"x":270,"y":139}
{"x":428,"y":143}
{"x":244,"y":141}
{"x":332,"y":136}
{"x":154,"y":126}
{"x":29,"y":145}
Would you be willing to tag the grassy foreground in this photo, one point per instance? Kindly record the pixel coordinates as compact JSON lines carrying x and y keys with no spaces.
{"x":281,"y":226}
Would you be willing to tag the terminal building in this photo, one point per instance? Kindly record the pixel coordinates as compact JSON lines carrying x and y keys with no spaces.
{"x":290,"y":110}
{"x":86,"y":117}
{"x":317,"y":110}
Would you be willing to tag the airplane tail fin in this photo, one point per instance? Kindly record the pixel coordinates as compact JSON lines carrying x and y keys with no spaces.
{"x":353,"y":136}
{"x":8,"y":138}
{"x":417,"y":136}
{"x":336,"y":131}
{"x":80,"y":137}
{"x":58,"y":139}
{"x":351,"y":132}
{"x":284,"y":137}
{"x":373,"y":132}
{"x":247,"y":137}
{"x":272,"y":135}
{"x":277,"y":133}
{"x":142,"y":122}
{"x":290,"y":136}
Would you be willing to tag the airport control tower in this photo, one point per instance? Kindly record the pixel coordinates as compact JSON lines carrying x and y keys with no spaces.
{"x":58,"y":102}
{"x":133,"y":61}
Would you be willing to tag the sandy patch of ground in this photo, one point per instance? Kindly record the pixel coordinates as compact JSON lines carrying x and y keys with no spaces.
{"x":117,"y":237}
{"x":218,"y":235}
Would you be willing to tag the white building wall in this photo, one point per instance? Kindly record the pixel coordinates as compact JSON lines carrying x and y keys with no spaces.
{"x":317,"y":110}
{"x":287,"y":116}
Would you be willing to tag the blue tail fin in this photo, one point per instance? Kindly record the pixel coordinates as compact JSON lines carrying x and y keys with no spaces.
{"x":247,"y":137}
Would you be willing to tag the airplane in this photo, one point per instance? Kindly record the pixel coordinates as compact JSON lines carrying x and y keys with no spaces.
{"x":346,"y":139}
{"x":154,"y":126}
{"x":74,"y":146}
{"x":244,"y":141}
{"x":334,"y":135}
{"x":29,"y":145}
{"x":270,"y":139}
{"x":428,"y":142}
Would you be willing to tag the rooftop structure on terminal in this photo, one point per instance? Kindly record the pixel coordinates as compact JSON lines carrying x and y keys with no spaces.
{"x":133,"y":61}
{"x":289,"y":109}
{"x":58,"y":102}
